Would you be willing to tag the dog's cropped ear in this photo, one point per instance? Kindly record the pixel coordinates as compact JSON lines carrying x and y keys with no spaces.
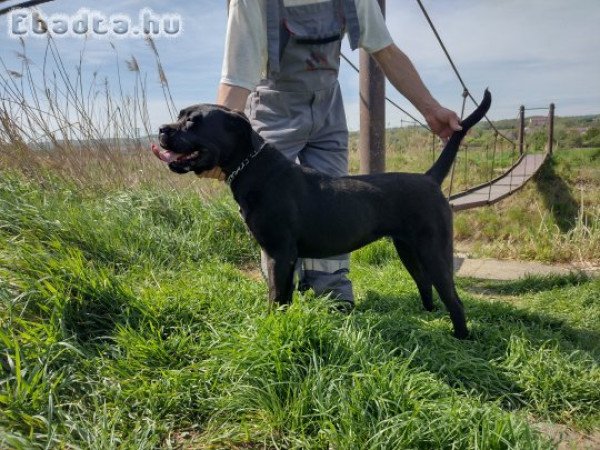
{"x":237,"y":121}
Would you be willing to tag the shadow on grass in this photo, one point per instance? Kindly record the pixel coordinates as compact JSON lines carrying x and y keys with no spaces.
{"x":524,"y":285}
{"x":92,"y":315}
{"x":481,"y":364}
{"x":557,"y":197}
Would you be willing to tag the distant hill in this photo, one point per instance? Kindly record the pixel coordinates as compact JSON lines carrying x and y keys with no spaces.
{"x":569,"y":131}
{"x":567,"y":121}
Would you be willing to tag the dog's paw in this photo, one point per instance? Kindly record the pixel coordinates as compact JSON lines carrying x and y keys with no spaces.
{"x":462,"y":334}
{"x":341,"y":306}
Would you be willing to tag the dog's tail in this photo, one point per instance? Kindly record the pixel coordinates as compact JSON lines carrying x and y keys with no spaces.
{"x":442,"y":166}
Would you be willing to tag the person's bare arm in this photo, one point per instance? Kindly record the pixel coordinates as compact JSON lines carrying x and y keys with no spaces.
{"x":404,"y":77}
{"x":233,"y":97}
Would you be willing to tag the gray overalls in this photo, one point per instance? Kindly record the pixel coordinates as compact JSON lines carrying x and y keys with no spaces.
{"x":299,"y":108}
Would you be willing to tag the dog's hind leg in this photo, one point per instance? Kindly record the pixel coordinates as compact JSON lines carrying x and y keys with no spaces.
{"x":439,"y":266}
{"x":415,"y":269}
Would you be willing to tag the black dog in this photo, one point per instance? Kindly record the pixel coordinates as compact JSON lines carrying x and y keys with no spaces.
{"x":295,"y":212}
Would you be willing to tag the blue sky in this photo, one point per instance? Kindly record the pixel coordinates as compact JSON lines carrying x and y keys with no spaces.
{"x":527,"y":52}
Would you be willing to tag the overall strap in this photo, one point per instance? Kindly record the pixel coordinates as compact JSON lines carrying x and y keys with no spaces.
{"x":274,"y":8}
{"x":352,"y":23}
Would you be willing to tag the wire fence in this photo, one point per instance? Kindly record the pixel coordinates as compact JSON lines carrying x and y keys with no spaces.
{"x":504,"y":156}
{"x":500,"y":153}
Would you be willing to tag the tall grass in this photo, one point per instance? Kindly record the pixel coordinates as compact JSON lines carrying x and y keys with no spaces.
{"x":58,"y":123}
{"x":556,"y":218}
{"x":482,"y":156}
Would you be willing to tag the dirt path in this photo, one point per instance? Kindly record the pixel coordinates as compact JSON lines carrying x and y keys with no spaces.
{"x":493,"y":269}
{"x":567,"y":439}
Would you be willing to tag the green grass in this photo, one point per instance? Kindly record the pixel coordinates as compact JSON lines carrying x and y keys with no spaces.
{"x":555,"y":218}
{"x":131,"y":315}
{"x":130,"y":319}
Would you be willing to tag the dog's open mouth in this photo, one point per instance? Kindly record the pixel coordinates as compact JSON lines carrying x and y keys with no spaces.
{"x":169,"y":156}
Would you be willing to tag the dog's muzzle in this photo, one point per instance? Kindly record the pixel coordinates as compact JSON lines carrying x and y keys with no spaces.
{"x":169,"y":156}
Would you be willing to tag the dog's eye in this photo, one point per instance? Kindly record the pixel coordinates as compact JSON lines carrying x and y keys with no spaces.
{"x":193,"y":119}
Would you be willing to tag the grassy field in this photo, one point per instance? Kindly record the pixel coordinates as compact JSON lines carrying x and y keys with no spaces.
{"x":133,"y":318}
{"x":132,"y":314}
{"x":555,"y":218}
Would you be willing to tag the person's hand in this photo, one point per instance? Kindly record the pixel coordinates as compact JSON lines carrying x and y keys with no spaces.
{"x":443,"y":122}
{"x":215,"y":173}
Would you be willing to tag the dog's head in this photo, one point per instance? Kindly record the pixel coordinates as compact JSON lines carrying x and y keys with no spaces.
{"x":203,"y":137}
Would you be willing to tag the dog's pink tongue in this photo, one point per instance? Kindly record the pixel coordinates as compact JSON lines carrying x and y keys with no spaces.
{"x":164,"y":155}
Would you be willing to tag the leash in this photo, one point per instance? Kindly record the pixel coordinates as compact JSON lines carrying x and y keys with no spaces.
{"x":244,"y":163}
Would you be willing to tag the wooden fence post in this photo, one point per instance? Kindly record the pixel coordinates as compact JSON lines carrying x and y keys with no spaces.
{"x":372,"y":113}
{"x":551,"y":129}
{"x":521,"y":129}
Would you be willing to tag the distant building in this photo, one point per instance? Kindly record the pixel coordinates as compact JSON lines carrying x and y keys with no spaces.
{"x":538,"y":121}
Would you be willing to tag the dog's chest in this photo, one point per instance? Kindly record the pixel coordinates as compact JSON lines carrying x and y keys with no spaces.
{"x":247,"y":204}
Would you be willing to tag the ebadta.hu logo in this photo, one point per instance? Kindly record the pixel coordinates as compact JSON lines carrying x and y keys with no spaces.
{"x":25,"y":23}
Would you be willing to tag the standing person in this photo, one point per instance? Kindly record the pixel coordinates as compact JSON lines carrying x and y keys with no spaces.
{"x":281,"y":66}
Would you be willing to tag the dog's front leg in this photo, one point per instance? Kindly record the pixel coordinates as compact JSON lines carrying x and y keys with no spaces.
{"x":280,"y":274}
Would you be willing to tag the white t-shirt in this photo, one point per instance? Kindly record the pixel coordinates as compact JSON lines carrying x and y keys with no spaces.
{"x":245,"y":60}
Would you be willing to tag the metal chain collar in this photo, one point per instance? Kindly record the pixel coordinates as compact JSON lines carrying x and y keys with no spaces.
{"x":244,"y":163}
